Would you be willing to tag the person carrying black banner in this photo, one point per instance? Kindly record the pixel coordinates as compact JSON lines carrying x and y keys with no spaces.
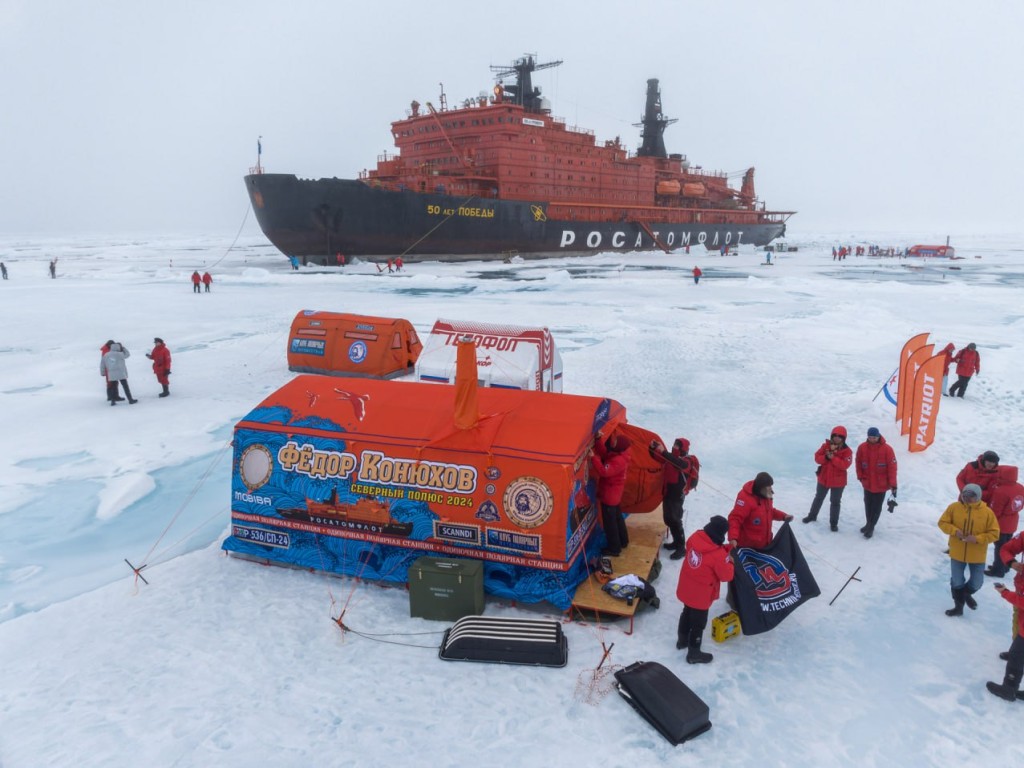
{"x":680,"y":477}
{"x":750,"y":521}
{"x":971,"y":526}
{"x":706,"y":566}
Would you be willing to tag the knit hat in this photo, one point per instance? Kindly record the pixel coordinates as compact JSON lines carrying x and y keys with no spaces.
{"x":873,"y":432}
{"x":762,"y":481}
{"x":972,"y":490}
{"x":990,"y":456}
{"x":840,"y":430}
{"x":716,"y":529}
{"x":617,"y":443}
{"x":158,"y":340}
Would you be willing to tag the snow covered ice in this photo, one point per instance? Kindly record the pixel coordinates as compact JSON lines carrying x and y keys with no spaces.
{"x":219,"y":661}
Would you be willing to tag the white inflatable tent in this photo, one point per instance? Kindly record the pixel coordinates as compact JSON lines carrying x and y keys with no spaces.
{"x":508,"y":356}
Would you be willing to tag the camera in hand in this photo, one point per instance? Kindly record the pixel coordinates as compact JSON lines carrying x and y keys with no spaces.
{"x":892,"y":504}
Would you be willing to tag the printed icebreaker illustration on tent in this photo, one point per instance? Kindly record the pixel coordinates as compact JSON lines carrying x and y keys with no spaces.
{"x":362,"y":476}
{"x":510,"y":356}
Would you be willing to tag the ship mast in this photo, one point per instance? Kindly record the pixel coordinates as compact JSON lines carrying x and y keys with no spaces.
{"x":523,"y":93}
{"x":654,"y":124}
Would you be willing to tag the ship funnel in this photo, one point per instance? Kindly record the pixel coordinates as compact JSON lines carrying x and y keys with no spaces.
{"x":654,"y":124}
{"x":467,"y":411}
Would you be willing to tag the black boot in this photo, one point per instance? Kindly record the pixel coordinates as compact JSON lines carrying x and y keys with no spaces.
{"x":1004,"y":656}
{"x":681,"y":634}
{"x":1008,"y":690}
{"x":694,"y":655}
{"x":971,"y":602}
{"x":810,"y":518}
{"x":165,"y":393}
{"x":958,"y":601}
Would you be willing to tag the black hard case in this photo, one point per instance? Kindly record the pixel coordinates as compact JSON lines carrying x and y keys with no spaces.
{"x":663,"y":700}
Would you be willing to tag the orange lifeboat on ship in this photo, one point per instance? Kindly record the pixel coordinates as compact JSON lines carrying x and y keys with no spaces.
{"x":694,"y":189}
{"x":667,"y":188}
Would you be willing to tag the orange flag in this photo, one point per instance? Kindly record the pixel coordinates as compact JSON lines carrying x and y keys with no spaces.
{"x":907,"y":377}
{"x":467,"y":411}
{"x":910,"y":372}
{"x":924,"y":409}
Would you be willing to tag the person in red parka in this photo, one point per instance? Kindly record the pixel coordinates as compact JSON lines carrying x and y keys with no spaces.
{"x":207,"y":280}
{"x":750,"y":521}
{"x":983,"y":472}
{"x":1007,"y":502}
{"x":609,"y":462}
{"x":1015,"y":656}
{"x":706,"y":566}
{"x":680,"y":476}
{"x":947,"y":358}
{"x":196,"y":280}
{"x":834,"y":457}
{"x":161,"y":357}
{"x":697,"y":275}
{"x":876,"y":470}
{"x":968,"y":363}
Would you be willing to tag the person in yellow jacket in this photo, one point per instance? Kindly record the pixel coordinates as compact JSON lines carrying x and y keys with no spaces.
{"x":971,"y":526}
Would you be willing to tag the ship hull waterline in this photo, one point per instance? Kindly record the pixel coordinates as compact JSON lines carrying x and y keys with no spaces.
{"x":317,"y":219}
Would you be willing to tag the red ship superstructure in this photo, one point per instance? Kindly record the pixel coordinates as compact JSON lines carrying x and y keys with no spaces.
{"x":499,"y":173}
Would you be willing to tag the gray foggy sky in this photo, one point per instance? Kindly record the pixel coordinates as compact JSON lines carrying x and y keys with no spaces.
{"x":134,"y":116}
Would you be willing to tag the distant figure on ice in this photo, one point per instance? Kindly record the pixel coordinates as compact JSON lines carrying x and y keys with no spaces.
{"x":3,"y":270}
{"x":113,"y":366}
{"x":295,"y":262}
{"x":207,"y":280}
{"x":876,"y":470}
{"x":706,"y":566}
{"x":750,"y":521}
{"x":111,"y":385}
{"x":833,"y":458}
{"x":399,"y":264}
{"x":968,"y":363}
{"x":680,"y":476}
{"x":696,"y":275}
{"x":971,"y":526}
{"x":53,"y":268}
{"x":609,"y":461}
{"x":768,"y":257}
{"x":161,"y":357}
{"x":196,"y":280}
{"x":391,"y":266}
{"x":947,"y":357}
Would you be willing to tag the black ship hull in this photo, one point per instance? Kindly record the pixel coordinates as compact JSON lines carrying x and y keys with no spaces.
{"x":317,"y":219}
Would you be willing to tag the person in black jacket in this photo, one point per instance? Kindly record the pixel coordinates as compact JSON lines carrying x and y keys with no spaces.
{"x":682,"y":472}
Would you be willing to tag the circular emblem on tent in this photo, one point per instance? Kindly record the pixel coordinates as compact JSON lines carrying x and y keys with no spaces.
{"x":357,"y":352}
{"x":493,"y":473}
{"x":528,"y":502}
{"x":255,"y":466}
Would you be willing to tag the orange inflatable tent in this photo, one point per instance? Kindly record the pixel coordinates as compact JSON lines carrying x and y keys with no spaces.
{"x":362,"y":477}
{"x":341,"y":344}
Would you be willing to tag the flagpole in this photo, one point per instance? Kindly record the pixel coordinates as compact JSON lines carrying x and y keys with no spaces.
{"x":883,"y":385}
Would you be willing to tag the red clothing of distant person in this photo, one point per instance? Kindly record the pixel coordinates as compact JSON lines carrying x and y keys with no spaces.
{"x":1007,"y":503}
{"x":968,"y":362}
{"x":161,"y":357}
{"x":947,"y":355}
{"x":207,"y":279}
{"x":705,"y":566}
{"x":975,"y":472}
{"x":610,"y":467}
{"x":750,"y":521}
{"x":876,"y":466}
{"x":833,"y":469}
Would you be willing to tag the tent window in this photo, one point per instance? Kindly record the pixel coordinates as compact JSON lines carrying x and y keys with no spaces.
{"x":396,"y":342}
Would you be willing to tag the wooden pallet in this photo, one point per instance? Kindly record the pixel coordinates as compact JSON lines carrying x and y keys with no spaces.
{"x":646,"y":534}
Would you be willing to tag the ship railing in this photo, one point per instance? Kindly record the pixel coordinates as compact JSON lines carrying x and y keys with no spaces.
{"x":255,"y":170}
